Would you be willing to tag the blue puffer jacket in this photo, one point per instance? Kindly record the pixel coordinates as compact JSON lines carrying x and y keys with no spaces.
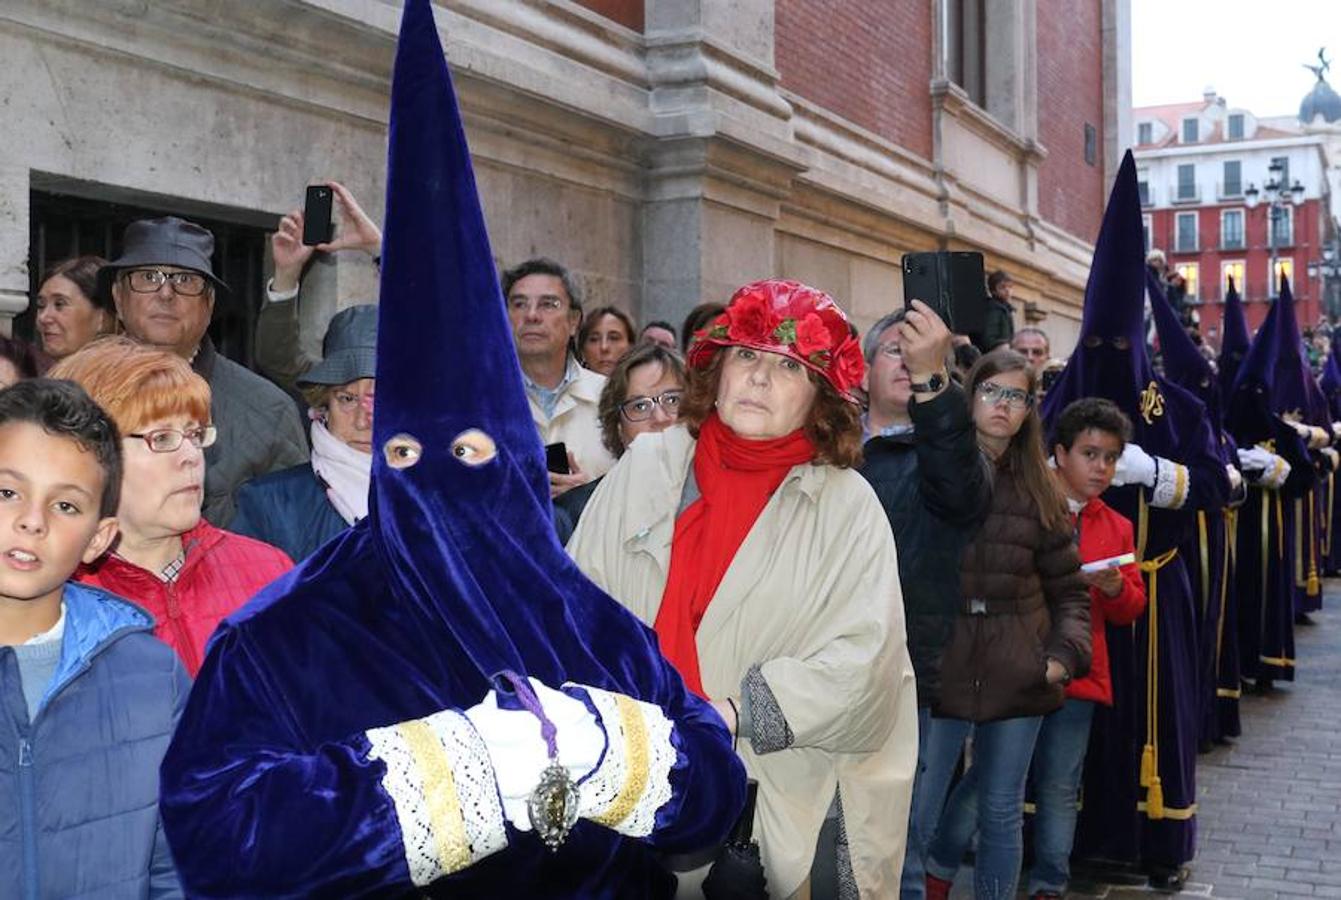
{"x":79,"y":784}
{"x":287,"y":509}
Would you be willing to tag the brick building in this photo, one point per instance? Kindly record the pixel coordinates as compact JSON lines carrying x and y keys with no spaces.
{"x":1197,"y":162}
{"x":667,"y":150}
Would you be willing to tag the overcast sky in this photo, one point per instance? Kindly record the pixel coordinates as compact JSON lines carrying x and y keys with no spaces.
{"x":1251,"y":51}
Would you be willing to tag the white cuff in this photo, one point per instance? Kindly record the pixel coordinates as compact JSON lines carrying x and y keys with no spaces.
{"x":1274,"y":475}
{"x":1171,"y":482}
{"x":439,"y":777}
{"x":633,"y":779}
{"x":274,"y":296}
{"x":1318,"y":438}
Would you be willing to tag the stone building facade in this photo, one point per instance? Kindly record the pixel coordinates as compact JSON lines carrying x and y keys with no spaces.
{"x":667,"y":150}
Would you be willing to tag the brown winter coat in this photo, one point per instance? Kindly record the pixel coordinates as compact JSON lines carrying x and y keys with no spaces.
{"x":1024,"y":601}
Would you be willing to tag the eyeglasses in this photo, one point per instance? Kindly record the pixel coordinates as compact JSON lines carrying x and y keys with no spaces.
{"x":995,"y":395}
{"x":166,"y":440}
{"x":544,"y":304}
{"x":347,"y":402}
{"x":640,"y":409}
{"x":148,"y":281}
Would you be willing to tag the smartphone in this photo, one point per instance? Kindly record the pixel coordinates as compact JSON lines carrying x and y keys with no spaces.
{"x":317,"y":225}
{"x":556,"y":458}
{"x":951,"y":282}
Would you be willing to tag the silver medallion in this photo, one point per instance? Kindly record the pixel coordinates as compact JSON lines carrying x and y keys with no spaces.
{"x":552,"y":806}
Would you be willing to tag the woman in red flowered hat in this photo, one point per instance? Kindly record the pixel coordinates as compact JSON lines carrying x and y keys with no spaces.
{"x":767,"y":567}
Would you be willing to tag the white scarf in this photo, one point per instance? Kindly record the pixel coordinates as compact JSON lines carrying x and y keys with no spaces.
{"x":346,"y":472}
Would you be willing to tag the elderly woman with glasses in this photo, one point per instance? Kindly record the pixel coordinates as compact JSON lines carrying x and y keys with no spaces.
{"x":1021,"y":635}
{"x":184,"y":571}
{"x":642,"y":394}
{"x":300,"y":508}
{"x":767,"y":567}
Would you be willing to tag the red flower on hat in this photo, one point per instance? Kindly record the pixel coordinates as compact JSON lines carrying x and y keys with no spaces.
{"x":750,"y":318}
{"x":849,"y":364}
{"x":812,"y":335}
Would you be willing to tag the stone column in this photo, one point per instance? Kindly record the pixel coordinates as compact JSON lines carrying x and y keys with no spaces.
{"x":722,"y":157}
{"x":13,"y":243}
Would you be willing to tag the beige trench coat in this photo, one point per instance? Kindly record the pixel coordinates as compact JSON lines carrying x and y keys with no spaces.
{"x":576,"y":421}
{"x":813,"y":595}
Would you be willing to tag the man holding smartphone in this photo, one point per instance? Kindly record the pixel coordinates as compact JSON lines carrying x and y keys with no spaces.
{"x":923,"y":461}
{"x":545,"y":312}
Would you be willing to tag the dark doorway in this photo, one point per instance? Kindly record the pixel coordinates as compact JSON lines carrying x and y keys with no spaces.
{"x":65,"y":225}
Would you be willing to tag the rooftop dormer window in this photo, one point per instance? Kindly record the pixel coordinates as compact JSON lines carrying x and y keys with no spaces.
{"x":1191,"y":132}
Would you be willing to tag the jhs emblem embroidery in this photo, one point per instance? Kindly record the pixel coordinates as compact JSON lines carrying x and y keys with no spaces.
{"x":1152,"y":403}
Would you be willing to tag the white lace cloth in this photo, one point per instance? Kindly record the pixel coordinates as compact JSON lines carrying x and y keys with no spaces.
{"x":1171,"y":485}
{"x":602,"y":790}
{"x":428,"y":824}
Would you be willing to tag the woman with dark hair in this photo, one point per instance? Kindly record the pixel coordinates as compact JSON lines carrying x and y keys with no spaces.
{"x":19,"y":361}
{"x":605,"y":335}
{"x":642,"y":394}
{"x":767,"y":567}
{"x":1022,"y":635}
{"x":698,"y":317}
{"x":70,"y":310}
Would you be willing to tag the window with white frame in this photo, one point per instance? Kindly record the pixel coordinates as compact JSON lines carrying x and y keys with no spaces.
{"x":1143,"y":187}
{"x":1284,"y":269}
{"x":1187,"y":182}
{"x":1231,"y":229}
{"x":1191,"y":273}
{"x":1234,"y":127}
{"x":1231,"y":269}
{"x":1232,"y":183}
{"x":1145,"y":133}
{"x":1185,"y":227}
{"x":1281,"y":219}
{"x":1191,"y":132}
{"x":1146,"y":227}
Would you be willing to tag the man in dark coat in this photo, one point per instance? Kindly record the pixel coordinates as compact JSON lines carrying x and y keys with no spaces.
{"x":923,"y":460}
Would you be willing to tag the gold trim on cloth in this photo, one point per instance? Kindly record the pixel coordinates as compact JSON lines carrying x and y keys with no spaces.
{"x":1150,"y":779}
{"x":1277,"y":661}
{"x":444,"y":806}
{"x":1177,"y":813}
{"x":633,"y":731}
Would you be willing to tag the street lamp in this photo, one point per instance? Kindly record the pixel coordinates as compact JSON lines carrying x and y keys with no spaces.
{"x":1279,"y":197}
{"x":1327,"y":271}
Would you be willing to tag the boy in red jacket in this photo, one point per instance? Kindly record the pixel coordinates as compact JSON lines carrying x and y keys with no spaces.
{"x":1088,"y":439}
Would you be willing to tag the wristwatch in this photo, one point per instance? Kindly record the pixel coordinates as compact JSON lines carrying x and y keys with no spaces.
{"x":931,"y":385}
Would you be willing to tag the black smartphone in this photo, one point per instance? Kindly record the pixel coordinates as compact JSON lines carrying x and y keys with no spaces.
{"x":556,"y":458}
{"x":317,"y":225}
{"x":951,"y":282}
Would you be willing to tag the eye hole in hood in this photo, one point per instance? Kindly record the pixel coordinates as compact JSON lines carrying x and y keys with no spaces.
{"x":473,"y":447}
{"x":402,"y":451}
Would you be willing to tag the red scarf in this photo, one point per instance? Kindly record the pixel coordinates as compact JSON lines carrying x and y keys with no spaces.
{"x":735,"y":478}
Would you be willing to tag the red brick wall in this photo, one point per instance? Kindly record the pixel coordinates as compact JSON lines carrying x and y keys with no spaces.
{"x":868,"y":62}
{"x":1070,"y":94}
{"x":628,"y":13}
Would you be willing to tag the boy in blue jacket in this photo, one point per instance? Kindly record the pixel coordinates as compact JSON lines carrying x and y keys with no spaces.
{"x":90,"y":697}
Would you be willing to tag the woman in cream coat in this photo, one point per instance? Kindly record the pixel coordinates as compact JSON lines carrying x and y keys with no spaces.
{"x":768,"y":569}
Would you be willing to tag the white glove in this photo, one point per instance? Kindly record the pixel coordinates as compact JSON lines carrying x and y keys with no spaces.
{"x":1302,"y":430}
{"x":1235,"y":478}
{"x":1135,"y":466}
{"x":1336,"y":429}
{"x":517,"y":748}
{"x":1255,"y":459}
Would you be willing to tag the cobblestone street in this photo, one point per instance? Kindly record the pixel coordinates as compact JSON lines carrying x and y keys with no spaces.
{"x":1270,"y":805}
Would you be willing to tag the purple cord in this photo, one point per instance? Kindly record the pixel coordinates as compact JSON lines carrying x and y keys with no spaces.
{"x":522,"y":688}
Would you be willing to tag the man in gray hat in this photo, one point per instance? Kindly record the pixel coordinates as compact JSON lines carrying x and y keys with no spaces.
{"x":163,"y":285}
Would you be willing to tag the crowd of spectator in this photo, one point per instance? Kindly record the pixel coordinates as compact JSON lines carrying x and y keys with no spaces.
{"x":693,"y":468}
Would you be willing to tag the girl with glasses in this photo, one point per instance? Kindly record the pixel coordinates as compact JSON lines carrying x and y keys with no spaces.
{"x":1022,"y":634}
{"x":188,"y":574}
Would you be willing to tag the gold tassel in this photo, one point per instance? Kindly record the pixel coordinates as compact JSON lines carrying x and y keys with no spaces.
{"x":1313,"y":584}
{"x":1148,"y":766}
{"x":1154,"y":800}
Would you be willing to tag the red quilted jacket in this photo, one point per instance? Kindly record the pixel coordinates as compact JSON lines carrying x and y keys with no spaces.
{"x":221,"y":572}
{"x":1105,"y":533}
